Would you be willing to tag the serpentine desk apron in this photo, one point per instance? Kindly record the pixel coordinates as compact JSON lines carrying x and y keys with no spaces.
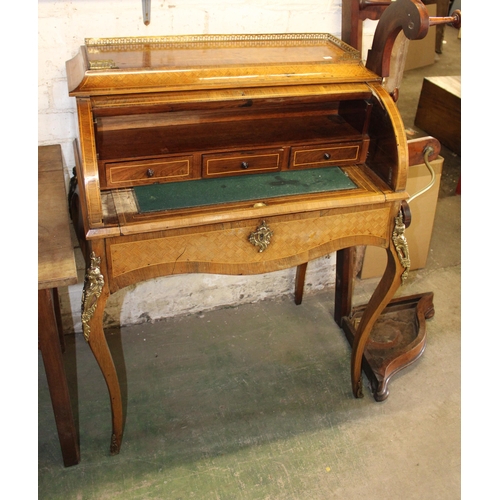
{"x":171,"y":115}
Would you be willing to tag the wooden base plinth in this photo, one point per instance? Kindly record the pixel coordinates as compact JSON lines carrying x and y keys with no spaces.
{"x":397,"y":339}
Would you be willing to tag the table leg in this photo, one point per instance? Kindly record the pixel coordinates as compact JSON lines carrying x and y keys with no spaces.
{"x":300,"y":278}
{"x":50,"y":348}
{"x":343,"y":284}
{"x":95,"y":295}
{"x":57,"y":310}
{"x":389,"y":283}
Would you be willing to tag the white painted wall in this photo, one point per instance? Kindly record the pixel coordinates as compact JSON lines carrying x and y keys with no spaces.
{"x":62,"y":28}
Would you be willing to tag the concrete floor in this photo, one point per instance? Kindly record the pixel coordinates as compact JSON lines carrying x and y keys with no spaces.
{"x":254,"y":402}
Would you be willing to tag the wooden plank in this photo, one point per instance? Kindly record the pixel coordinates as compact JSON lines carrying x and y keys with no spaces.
{"x":56,"y":259}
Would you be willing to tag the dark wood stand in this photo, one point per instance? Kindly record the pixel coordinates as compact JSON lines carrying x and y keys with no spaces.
{"x":398,"y":337}
{"x":397,"y":340}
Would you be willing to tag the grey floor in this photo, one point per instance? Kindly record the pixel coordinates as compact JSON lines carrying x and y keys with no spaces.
{"x":254,"y":402}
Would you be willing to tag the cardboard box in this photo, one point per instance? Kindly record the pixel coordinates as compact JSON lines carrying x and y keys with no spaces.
{"x":418,"y":235}
{"x":422,"y":52}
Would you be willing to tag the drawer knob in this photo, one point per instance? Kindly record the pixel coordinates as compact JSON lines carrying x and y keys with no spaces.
{"x":244,"y":165}
{"x":150,"y":172}
{"x":326,"y":156}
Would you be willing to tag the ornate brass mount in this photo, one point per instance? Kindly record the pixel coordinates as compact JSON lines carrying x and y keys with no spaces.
{"x":102,"y":64}
{"x":261,"y":237}
{"x":399,"y":239}
{"x":92,"y":288}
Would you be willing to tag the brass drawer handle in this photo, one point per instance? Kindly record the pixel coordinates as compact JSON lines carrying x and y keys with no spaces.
{"x":244,"y":165}
{"x":261,"y":237}
{"x":150,"y":172}
{"x":327,"y":156}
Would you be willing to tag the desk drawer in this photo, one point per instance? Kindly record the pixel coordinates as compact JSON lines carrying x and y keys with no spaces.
{"x":220,"y":164}
{"x":326,"y":155}
{"x":227,"y":248}
{"x":137,"y":172}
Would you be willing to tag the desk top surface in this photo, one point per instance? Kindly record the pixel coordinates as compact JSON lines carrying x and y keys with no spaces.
{"x":56,"y":258}
{"x":157,"y":64}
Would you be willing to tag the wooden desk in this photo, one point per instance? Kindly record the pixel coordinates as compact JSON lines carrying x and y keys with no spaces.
{"x":197,"y":108}
{"x":56,"y":268}
{"x":208,"y":110}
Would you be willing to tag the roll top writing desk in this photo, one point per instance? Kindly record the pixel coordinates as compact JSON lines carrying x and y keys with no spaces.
{"x":231,"y":154}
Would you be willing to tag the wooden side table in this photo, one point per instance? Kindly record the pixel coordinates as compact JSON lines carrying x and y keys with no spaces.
{"x":56,"y":267}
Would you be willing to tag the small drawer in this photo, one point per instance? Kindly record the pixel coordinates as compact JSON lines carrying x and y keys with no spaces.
{"x":138,"y":172}
{"x":326,"y":155}
{"x":220,"y":164}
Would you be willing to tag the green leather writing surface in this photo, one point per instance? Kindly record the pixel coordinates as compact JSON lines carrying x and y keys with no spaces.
{"x":203,"y":192}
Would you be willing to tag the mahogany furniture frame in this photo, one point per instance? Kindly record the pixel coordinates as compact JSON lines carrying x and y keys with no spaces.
{"x":354,"y":12}
{"x":56,"y":268}
{"x":184,"y":109}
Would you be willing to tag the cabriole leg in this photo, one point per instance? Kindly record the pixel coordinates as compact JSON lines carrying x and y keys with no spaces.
{"x":95,"y":295}
{"x":398,"y":265}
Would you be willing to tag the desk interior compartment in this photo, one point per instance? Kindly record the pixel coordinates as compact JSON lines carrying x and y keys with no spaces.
{"x":219,"y":139}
